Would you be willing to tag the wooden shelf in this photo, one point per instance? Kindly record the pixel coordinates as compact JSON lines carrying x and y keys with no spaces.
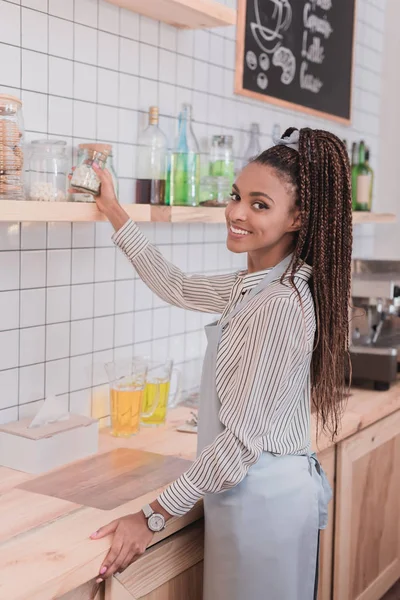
{"x":186,"y":14}
{"x":71,"y":212}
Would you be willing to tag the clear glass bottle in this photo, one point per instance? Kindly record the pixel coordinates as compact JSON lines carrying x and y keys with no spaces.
{"x":221,"y":157}
{"x":151,"y":163}
{"x":11,"y":149}
{"x":254,"y":147}
{"x":48,"y":169}
{"x":85,"y":153}
{"x":184,"y":168}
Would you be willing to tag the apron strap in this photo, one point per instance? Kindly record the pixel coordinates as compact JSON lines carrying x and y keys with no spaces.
{"x":272,"y":275}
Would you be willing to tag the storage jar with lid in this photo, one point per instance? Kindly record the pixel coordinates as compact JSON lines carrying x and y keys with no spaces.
{"x":48,"y":169}
{"x":85,"y":182}
{"x":221,"y":157}
{"x":11,"y":152}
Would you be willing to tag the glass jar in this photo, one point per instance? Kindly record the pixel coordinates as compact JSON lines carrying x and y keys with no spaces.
{"x":85,"y":182}
{"x":11,"y":144}
{"x":221,"y":157}
{"x":48,"y":169}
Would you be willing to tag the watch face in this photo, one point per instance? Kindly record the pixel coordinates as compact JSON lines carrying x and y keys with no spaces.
{"x":156,"y":522}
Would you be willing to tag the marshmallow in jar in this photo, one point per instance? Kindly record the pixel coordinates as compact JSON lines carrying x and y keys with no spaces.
{"x":11,"y":153}
{"x":48,"y":169}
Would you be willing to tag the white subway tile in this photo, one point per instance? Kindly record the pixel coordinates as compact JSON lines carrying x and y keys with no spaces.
{"x":57,"y":341}
{"x":126,"y":191}
{"x":34,"y":30}
{"x":8,"y":349}
{"x":31,"y":345}
{"x":10,"y":23}
{"x":80,"y":403}
{"x":30,"y":409}
{"x":168,"y":37}
{"x":148,"y":30}
{"x":108,"y":17}
{"x":217,"y":49}
{"x":83,"y":235}
{"x":185,"y":42}
{"x":58,"y":304}
{"x":177,"y":320}
{"x":129,"y":24}
{"x":62,"y":8}
{"x":9,"y":236}
{"x":80,"y":372}
{"x":10,"y":60}
{"x":149,"y":62}
{"x":60,"y":77}
{"x":161,"y":322}
{"x":85,"y":82}
{"x":9,"y":310}
{"x":123,"y":352}
{"x":124,"y":296}
{"x":128,"y":56}
{"x":143,"y":326}
{"x":107,"y":87}
{"x":86,"y":12}
{"x":104,"y":264}
{"x":82,"y":265}
{"x":35,"y":111}
{"x":31,"y":383}
{"x":177,"y":348}
{"x":9,"y":388}
{"x":33,"y":236}
{"x":100,"y":359}
{"x":84,"y":120}
{"x":104,"y":232}
{"x":148,"y":94}
{"x":33,"y":269}
{"x":216,"y":80}
{"x":59,"y":235}
{"x":103,"y":333}
{"x":9,"y":269}
{"x":81,"y":337}
{"x":184,"y":71}
{"x":124,"y":329}
{"x":107,"y":123}
{"x":61,"y":37}
{"x":40,"y":5}
{"x":167,"y":66}
{"x":58,"y":267}
{"x":57,"y":377}
{"x":85,"y":44}
{"x":82,"y":301}
{"x":127,"y":126}
{"x":8,"y":415}
{"x":33,"y":304}
{"x":126,"y":161}
{"x":128,"y":91}
{"x":60,"y":116}
{"x":108,"y":50}
{"x":104,"y":296}
{"x":200,"y":81}
{"x":202,"y":44}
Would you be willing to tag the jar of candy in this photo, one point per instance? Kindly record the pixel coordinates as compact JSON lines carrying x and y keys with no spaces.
{"x":11,"y":144}
{"x":48,"y":169}
{"x":85,"y":182}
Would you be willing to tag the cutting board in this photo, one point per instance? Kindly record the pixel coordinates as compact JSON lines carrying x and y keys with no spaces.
{"x":109,"y":480}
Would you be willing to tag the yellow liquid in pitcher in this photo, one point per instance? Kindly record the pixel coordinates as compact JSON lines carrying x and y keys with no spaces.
{"x":126,"y":407}
{"x":158,"y":392}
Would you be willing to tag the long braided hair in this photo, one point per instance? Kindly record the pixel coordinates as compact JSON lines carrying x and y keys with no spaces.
{"x":320,"y":176}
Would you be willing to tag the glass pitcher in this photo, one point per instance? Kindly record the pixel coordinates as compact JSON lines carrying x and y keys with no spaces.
{"x":158,"y":396}
{"x":127,"y":380}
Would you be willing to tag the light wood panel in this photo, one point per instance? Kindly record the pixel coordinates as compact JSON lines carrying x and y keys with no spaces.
{"x":185,"y":586}
{"x":328,"y":462}
{"x":187,"y":14}
{"x":367,"y":530}
{"x":13,"y":211}
{"x":88,"y":591}
{"x":109,"y":480}
{"x":161,"y":563}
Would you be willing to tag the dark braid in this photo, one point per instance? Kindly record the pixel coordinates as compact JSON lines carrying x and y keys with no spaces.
{"x":320,"y":176}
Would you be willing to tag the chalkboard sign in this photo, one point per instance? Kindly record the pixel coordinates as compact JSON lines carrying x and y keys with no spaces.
{"x":298,"y":54}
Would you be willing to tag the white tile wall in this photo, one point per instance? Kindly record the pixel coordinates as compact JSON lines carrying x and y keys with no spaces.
{"x":87,"y":70}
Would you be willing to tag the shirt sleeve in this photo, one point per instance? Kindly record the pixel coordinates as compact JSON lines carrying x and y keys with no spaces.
{"x":273,"y":349}
{"x":194,"y":292}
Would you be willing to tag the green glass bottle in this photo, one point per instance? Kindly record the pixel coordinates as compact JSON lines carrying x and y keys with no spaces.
{"x":184,"y":169}
{"x":363,"y":181}
{"x":371,"y":172}
{"x":354,"y":165}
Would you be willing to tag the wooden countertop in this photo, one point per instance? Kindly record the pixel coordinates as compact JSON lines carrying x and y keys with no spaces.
{"x":45,"y":550}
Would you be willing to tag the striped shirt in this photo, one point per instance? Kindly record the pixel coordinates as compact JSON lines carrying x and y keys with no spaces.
{"x":262,"y":371}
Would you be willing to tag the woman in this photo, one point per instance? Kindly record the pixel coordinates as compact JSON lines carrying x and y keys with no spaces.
{"x":282,"y":342}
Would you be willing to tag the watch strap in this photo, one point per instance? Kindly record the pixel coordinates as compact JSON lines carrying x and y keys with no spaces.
{"x":147,"y":511}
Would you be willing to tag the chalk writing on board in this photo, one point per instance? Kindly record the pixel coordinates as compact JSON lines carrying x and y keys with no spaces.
{"x":272,"y":18}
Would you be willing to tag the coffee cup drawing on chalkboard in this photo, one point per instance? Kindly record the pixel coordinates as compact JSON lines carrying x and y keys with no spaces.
{"x":275,"y":16}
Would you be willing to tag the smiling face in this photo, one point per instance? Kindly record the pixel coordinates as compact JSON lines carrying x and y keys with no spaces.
{"x":262,"y":216}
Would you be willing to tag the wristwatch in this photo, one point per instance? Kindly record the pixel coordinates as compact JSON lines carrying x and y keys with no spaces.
{"x":155,"y":521}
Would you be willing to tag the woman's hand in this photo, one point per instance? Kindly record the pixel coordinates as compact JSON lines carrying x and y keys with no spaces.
{"x":131,"y":538}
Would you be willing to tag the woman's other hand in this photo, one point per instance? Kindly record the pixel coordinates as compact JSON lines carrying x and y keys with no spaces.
{"x":130,"y":540}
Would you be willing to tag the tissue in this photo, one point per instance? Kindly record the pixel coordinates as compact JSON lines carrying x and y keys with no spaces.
{"x":52,"y":411}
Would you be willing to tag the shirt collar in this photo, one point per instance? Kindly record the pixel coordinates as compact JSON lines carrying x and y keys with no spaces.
{"x":250,"y":280}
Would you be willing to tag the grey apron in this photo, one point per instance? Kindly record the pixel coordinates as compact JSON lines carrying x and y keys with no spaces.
{"x":261,"y":537}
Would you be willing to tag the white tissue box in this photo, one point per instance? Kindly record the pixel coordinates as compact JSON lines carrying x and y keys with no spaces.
{"x":39,"y":449}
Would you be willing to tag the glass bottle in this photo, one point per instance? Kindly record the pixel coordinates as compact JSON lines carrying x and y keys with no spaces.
{"x":363,"y":181}
{"x":254,"y":147}
{"x":151,"y":163}
{"x":48,"y":168}
{"x":11,"y":149}
{"x":371,"y":172}
{"x":184,"y":173}
{"x":84,"y":178}
{"x":221,"y":157}
{"x":354,"y":166}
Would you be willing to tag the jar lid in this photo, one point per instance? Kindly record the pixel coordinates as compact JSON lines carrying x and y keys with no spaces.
{"x":222,"y":140}
{"x":49,"y":145}
{"x":104,"y":148}
{"x":6,"y":98}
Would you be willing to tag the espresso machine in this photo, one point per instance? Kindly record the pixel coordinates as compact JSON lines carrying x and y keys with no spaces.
{"x":375,"y":323}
